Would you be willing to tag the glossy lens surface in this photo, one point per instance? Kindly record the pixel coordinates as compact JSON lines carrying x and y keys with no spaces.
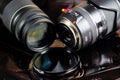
{"x":40,"y":35}
{"x":37,"y":32}
{"x":55,"y":61}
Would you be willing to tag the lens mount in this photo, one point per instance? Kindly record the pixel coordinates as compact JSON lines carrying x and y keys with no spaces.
{"x":69,"y":33}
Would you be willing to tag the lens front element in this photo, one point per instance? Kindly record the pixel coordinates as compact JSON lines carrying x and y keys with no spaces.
{"x":36,"y":33}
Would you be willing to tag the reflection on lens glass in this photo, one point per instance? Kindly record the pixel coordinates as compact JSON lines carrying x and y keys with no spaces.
{"x":37,"y":32}
{"x":43,"y":62}
{"x":40,"y":36}
{"x":56,"y":62}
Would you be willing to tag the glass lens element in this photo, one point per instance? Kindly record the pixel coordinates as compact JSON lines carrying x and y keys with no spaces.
{"x":56,"y":63}
{"x":36,"y":33}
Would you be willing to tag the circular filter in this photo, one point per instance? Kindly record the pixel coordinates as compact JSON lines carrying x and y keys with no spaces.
{"x":56,"y":63}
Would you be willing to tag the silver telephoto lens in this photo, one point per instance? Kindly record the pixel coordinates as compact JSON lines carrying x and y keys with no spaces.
{"x":83,"y":25}
{"x":29,"y":24}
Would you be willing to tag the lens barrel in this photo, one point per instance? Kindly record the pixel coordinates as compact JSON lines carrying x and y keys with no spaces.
{"x":88,"y":23}
{"x":29,"y":24}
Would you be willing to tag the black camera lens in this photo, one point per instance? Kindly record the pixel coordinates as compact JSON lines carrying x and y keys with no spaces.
{"x":56,"y":63}
{"x":88,"y":23}
{"x":29,"y":23}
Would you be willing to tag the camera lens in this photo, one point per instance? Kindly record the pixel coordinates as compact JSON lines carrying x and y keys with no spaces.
{"x":29,"y":24}
{"x":84,"y":25}
{"x":56,"y":63}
